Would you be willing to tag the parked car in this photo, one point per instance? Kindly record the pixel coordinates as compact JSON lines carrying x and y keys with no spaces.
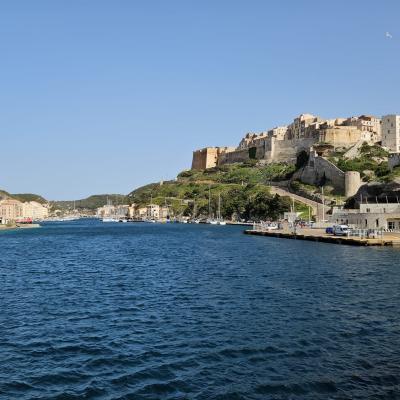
{"x":329,"y":230}
{"x":341,"y":230}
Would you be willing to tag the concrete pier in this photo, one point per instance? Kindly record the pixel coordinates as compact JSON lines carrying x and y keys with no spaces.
{"x":319,"y":235}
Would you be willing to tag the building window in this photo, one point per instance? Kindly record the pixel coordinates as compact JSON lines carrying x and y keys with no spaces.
{"x":391,"y":225}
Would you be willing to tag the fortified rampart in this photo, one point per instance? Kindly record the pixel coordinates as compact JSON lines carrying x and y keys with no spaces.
{"x":393,"y":160}
{"x":208,"y":157}
{"x":341,"y":136}
{"x":285,"y":143}
{"x":352,"y":182}
{"x":271,"y":150}
{"x":287,"y":150}
{"x":319,"y":170}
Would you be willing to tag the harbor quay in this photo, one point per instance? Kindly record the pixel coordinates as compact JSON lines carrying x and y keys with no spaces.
{"x":17,"y":226}
{"x":358,"y":238}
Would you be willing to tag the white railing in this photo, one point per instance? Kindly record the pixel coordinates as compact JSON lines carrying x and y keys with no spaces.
{"x":266,"y":226}
{"x":366,"y":233}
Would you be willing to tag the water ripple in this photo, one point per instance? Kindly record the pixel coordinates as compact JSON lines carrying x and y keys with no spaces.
{"x":145,"y":311}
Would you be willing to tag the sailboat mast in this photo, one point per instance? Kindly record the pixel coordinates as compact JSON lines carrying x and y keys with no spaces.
{"x":209,"y":201}
{"x":219,"y":206}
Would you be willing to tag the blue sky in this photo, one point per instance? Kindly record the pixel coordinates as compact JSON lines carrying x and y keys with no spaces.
{"x":104,"y":96}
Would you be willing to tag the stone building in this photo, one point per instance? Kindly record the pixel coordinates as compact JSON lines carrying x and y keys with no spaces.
{"x":279,"y":132}
{"x":141,"y":212}
{"x":283,"y":143}
{"x":303,"y":126}
{"x":208,"y":157}
{"x":132,"y":210}
{"x":165,"y":213}
{"x":369,"y":125}
{"x":391,"y":133}
{"x":247,"y":141}
{"x":339,"y":135}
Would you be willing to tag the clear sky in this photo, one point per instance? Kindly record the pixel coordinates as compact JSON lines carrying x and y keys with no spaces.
{"x":104,"y":96}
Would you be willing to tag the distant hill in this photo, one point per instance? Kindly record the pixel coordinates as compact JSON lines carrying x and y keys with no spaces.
{"x":23,"y":197}
{"x":91,"y":202}
{"x":29,"y":197}
{"x":4,"y":194}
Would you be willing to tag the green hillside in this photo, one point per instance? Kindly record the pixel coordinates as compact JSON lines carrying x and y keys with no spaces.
{"x":23,"y":197}
{"x":29,"y":197}
{"x":4,"y":194}
{"x":243,"y":189}
{"x":371,"y":162}
{"x":91,"y":202}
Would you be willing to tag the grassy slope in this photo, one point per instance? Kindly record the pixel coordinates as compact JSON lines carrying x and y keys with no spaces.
{"x":244,"y":191}
{"x":371,"y":163}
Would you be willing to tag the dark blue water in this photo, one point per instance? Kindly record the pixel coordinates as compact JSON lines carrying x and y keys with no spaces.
{"x":146,"y":311}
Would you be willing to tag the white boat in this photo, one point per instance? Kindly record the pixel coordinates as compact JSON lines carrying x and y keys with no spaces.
{"x":70,"y":218}
{"x":220,"y":221}
{"x":270,"y":226}
{"x":109,"y":219}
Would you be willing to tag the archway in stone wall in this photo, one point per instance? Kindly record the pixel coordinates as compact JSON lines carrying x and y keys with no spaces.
{"x":302,"y":158}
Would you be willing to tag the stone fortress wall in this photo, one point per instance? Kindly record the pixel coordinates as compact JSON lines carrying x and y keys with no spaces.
{"x":209,"y":157}
{"x":394,"y":160}
{"x":284,"y":143}
{"x":319,"y":169}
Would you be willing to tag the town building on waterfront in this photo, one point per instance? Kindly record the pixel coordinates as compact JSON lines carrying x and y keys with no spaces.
{"x":153,"y":211}
{"x":141,"y":212}
{"x":369,"y":216}
{"x":165,"y":213}
{"x":113,"y":211}
{"x":10,"y":210}
{"x":34,"y":210}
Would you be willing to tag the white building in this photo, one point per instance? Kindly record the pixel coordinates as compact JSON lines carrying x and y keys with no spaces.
{"x":110,"y":211}
{"x":10,"y":210}
{"x":153,"y":211}
{"x":369,"y":216}
{"x":391,"y":133}
{"x":34,"y":210}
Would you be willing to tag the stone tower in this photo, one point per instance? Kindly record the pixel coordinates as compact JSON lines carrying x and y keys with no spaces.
{"x":352,"y":182}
